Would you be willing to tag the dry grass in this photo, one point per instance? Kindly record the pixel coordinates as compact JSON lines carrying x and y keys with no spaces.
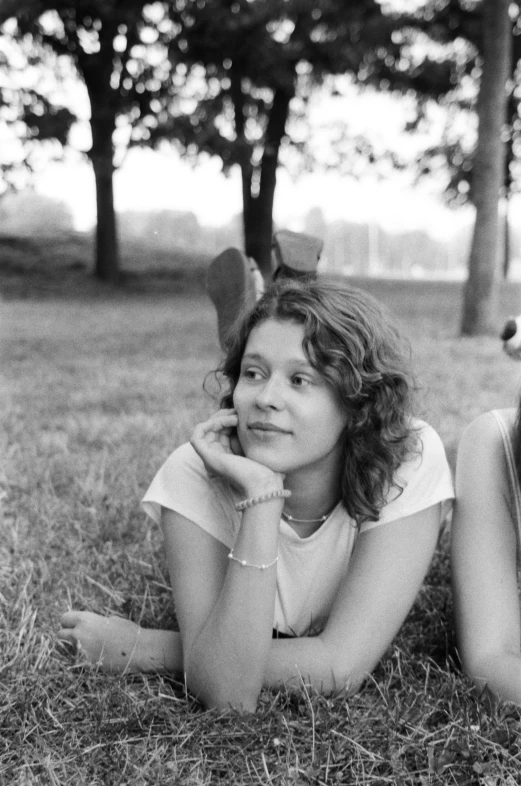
{"x":95,"y":394}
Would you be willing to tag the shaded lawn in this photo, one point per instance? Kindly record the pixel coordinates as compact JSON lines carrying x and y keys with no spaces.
{"x":61,"y":266}
{"x":95,"y":395}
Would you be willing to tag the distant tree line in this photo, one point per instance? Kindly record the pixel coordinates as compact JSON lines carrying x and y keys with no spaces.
{"x":350,"y":248}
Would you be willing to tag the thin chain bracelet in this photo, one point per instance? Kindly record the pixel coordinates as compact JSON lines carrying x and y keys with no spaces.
{"x":244,"y":564}
{"x":249,"y":503}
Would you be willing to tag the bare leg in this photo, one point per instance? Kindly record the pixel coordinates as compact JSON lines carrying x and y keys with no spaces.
{"x":120,"y":646}
{"x":258,"y":281}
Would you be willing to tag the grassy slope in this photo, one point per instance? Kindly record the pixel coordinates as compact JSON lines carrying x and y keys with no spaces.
{"x":96,"y":392}
{"x":60,"y":266}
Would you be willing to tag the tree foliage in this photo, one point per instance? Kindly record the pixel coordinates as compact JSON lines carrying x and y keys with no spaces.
{"x":228,"y":78}
{"x":250,"y":68}
{"x":30,"y":114}
{"x":458,"y":53}
{"x":439,"y":56}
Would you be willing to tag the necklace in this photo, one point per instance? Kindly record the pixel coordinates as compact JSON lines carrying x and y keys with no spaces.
{"x":320,"y":520}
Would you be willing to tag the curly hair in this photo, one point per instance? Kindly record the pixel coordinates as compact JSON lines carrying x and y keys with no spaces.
{"x":351,"y":341}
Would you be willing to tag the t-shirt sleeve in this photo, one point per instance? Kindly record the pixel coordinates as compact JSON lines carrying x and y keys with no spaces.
{"x":425,"y":478}
{"x":183,"y":485}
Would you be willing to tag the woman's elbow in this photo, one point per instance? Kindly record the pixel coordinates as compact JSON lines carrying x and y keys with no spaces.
{"x":496,"y":671}
{"x":477,"y":660}
{"x":242,"y":703}
{"x":343,"y":673}
{"x":477,"y":669}
{"x":340,"y":680}
{"x":222,"y":694}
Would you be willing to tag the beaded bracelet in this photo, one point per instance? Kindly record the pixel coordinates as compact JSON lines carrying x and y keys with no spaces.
{"x":249,"y":503}
{"x":244,"y":564}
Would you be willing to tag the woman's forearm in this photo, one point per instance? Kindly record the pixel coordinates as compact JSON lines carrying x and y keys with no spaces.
{"x":308,"y":661}
{"x":290,"y":662}
{"x":296,"y":661}
{"x":159,"y":651}
{"x":226,"y":662}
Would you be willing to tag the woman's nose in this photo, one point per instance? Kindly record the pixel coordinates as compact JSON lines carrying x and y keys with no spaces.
{"x":270,"y":394}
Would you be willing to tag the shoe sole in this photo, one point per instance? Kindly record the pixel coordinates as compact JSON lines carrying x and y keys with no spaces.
{"x":230,"y":286}
{"x":295,"y":253}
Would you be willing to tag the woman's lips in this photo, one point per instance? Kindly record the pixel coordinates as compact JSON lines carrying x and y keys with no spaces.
{"x":268,"y":428}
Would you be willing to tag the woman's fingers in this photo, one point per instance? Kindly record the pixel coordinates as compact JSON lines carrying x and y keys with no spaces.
{"x":67,"y":636}
{"x":216,"y":443}
{"x":214,"y":431}
{"x":70,"y":619}
{"x":225,"y":418}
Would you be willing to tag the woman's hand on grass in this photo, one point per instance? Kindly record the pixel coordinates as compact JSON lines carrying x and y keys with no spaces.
{"x":111,"y":643}
{"x":215,"y":441}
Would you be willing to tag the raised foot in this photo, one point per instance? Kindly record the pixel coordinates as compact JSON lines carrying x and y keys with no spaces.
{"x":295,"y":254}
{"x":232,"y":283}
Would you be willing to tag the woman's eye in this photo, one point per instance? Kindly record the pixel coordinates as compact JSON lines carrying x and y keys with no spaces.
{"x":251,"y":373}
{"x":301,"y":382}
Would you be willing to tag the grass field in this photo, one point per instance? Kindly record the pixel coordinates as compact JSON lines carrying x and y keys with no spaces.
{"x":97,"y":390}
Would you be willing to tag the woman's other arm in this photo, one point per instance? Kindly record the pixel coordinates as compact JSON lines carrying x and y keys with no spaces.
{"x":483,"y":557}
{"x":388,"y":566}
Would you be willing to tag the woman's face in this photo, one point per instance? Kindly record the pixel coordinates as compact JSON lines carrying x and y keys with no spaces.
{"x":290,"y":418}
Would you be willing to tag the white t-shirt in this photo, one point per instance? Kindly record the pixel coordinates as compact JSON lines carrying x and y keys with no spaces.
{"x":309,"y":570}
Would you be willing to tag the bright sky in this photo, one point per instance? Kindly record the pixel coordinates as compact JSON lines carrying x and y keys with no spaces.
{"x":155,"y":181}
{"x":152,"y":181}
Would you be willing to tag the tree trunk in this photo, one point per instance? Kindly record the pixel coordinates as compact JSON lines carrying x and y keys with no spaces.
{"x":243,"y":148}
{"x":480,"y":293}
{"x":258,"y":231}
{"x":96,"y":70}
{"x":107,"y":253}
{"x":258,"y":195}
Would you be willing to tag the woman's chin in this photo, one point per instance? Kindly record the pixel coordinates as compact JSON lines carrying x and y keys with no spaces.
{"x":266,"y":458}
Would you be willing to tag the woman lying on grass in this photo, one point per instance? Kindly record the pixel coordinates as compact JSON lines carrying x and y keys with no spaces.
{"x":301,"y":519}
{"x":486,"y":534}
